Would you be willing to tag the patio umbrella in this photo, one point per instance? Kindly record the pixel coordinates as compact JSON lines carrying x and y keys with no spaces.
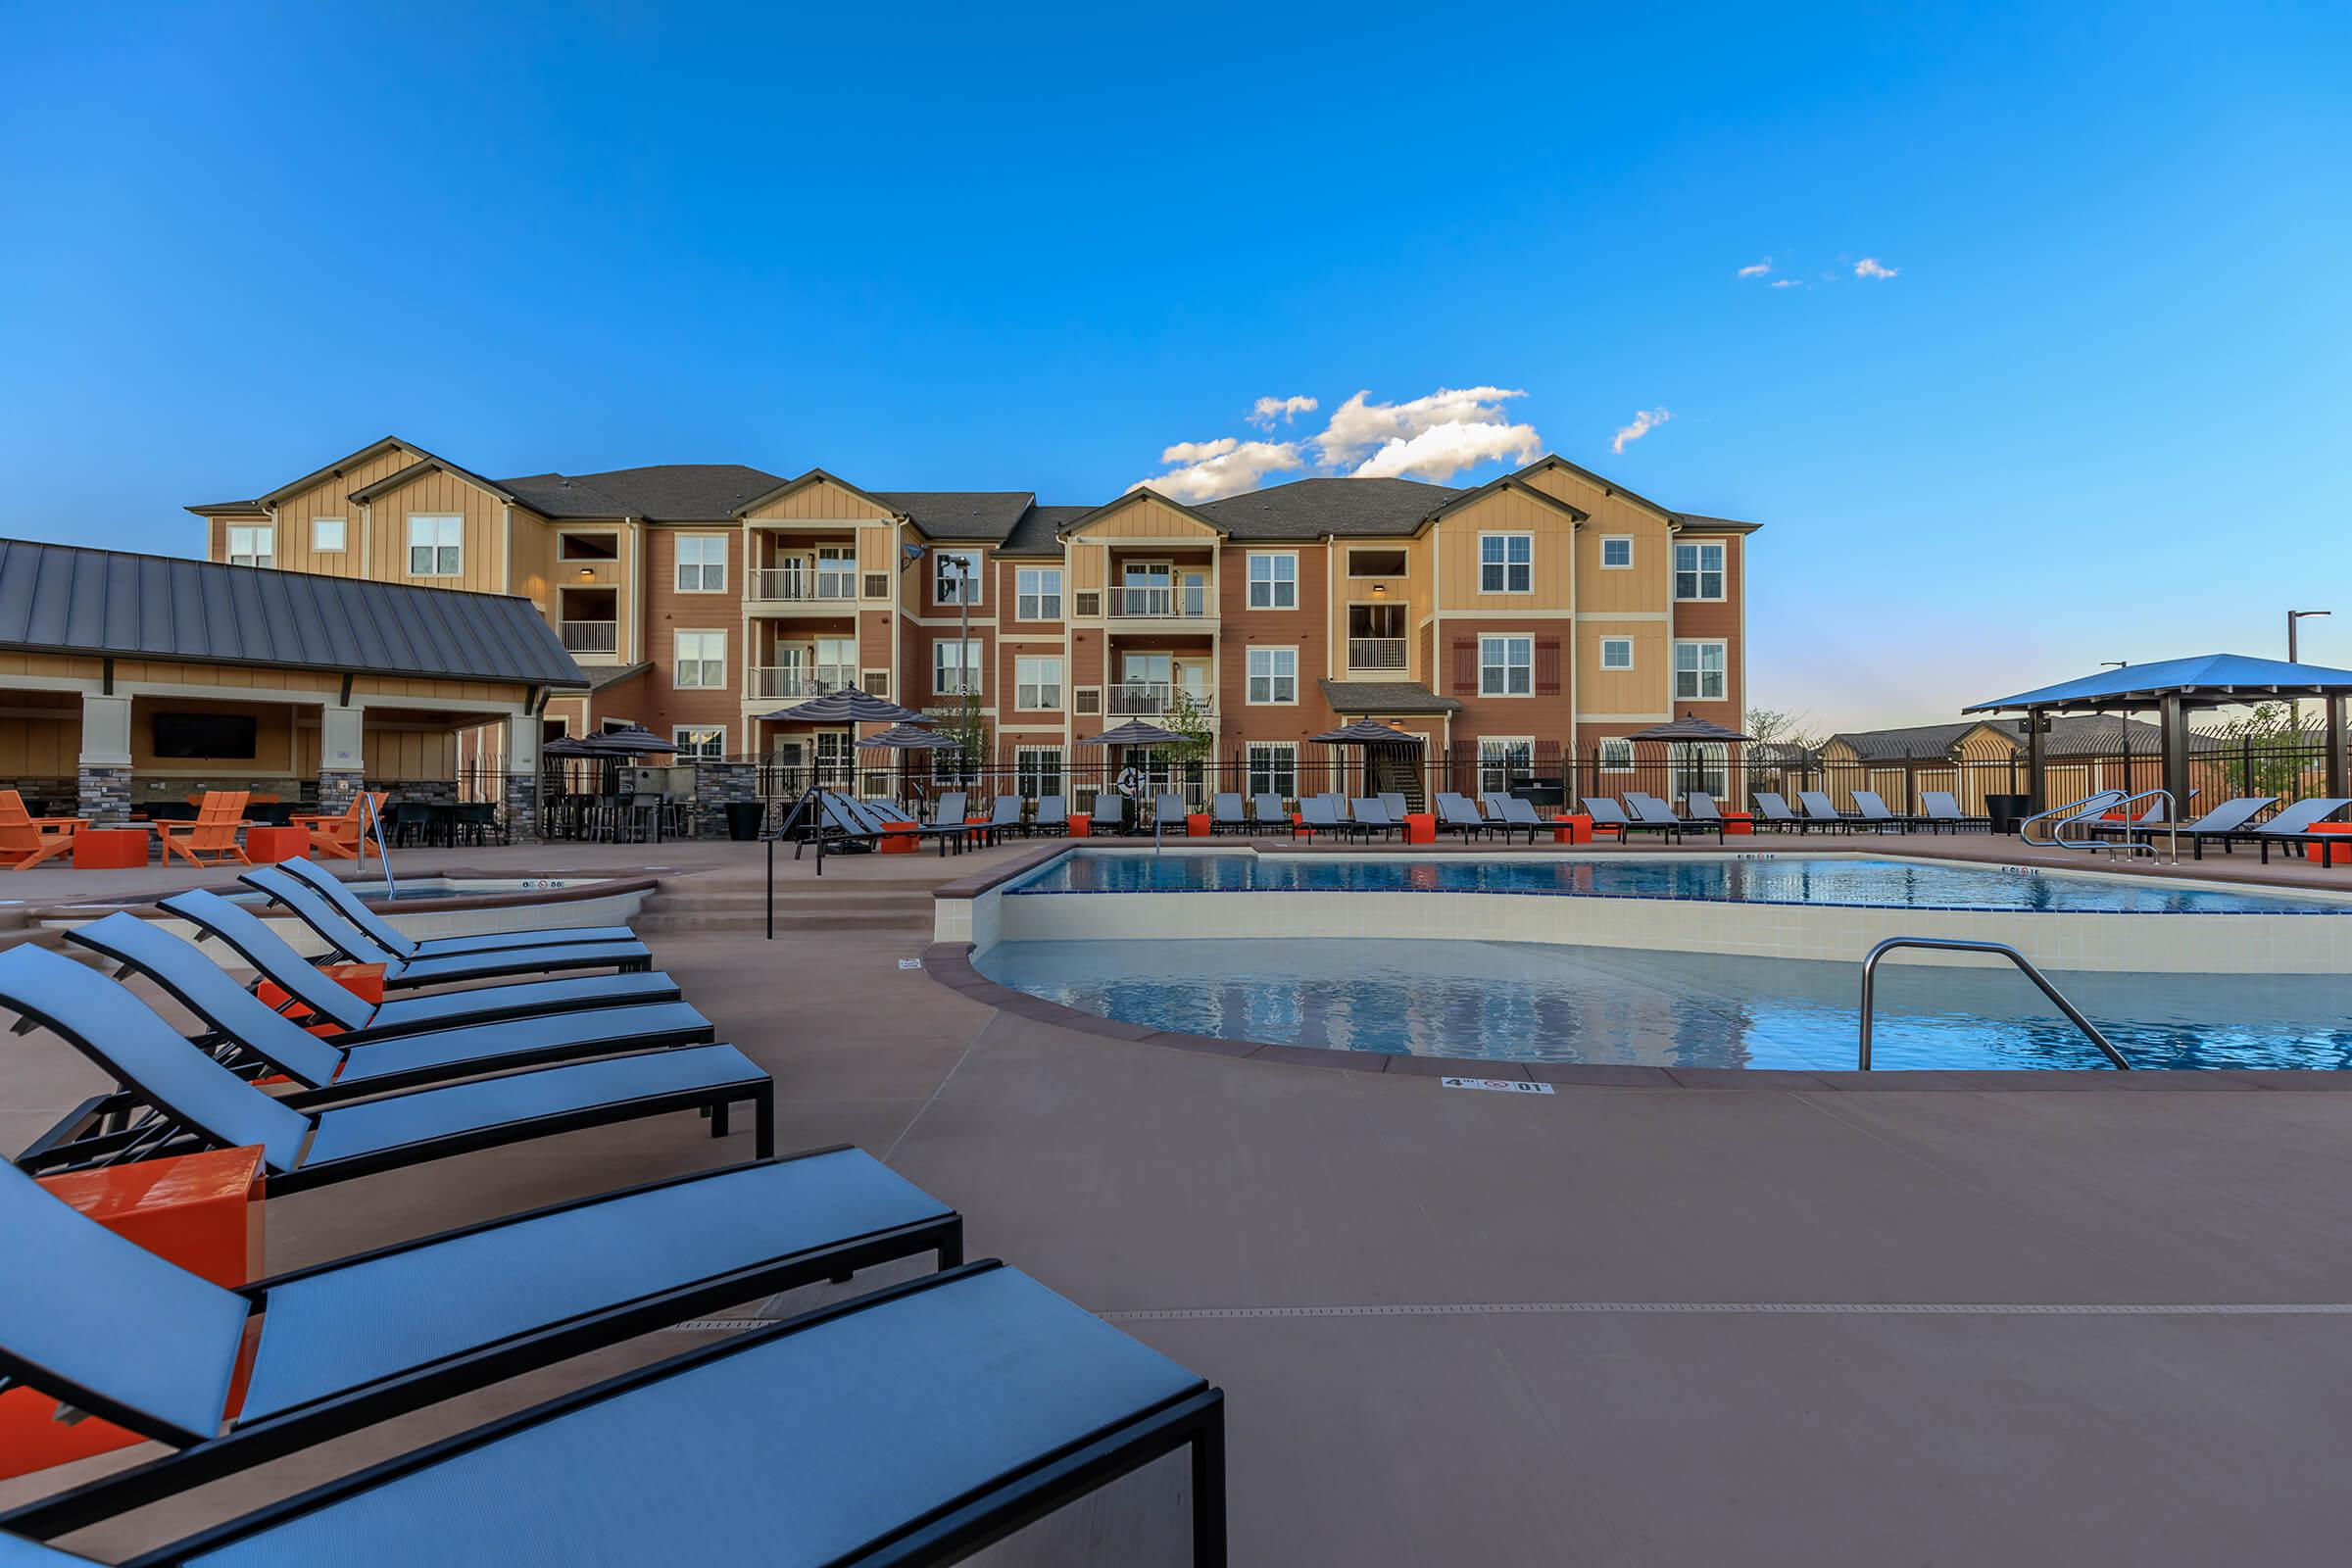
{"x":906,"y":738}
{"x":1367,"y":732}
{"x":848,"y":706}
{"x":1688,"y":728}
{"x":1135,"y":732}
{"x":569,"y":746}
{"x":630,"y":740}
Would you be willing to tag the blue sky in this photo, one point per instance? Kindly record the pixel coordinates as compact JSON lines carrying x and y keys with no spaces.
{"x":2099,"y":410}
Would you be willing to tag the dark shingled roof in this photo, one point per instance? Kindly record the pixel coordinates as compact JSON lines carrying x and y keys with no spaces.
{"x":1385,"y":697}
{"x":1310,"y":509}
{"x":675,"y":492}
{"x":67,"y":599}
{"x":1038,"y":532}
{"x":961,"y":514}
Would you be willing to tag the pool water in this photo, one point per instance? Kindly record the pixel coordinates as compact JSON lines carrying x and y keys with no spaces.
{"x":1878,"y":883}
{"x":1526,"y":1001}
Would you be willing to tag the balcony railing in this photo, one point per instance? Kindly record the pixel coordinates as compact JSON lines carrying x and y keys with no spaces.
{"x":1189,"y":603}
{"x":592,"y":636}
{"x":1375,"y":652}
{"x":1146,"y":698}
{"x":801,"y":680}
{"x":786,"y":585}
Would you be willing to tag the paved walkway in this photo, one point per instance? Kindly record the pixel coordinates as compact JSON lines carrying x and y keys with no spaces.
{"x":1613,"y":1326}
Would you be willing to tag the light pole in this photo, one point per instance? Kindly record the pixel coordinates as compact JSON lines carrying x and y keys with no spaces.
{"x":2296,"y":706}
{"x":966,"y":723}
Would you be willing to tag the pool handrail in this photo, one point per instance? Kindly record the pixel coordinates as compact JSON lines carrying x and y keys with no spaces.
{"x":1870,"y":974}
{"x":2088,"y":805}
{"x":2129,"y":843}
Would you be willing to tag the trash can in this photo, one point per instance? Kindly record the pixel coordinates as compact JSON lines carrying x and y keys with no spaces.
{"x":2006,"y":811}
{"x":743,"y":820}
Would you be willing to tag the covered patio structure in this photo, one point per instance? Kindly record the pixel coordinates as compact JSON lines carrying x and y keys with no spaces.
{"x":2175,"y":688}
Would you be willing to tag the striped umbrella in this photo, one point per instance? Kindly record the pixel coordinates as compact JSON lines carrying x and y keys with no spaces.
{"x":1135,"y":732}
{"x":1367,"y":732}
{"x":848,"y":706}
{"x":906,"y":738}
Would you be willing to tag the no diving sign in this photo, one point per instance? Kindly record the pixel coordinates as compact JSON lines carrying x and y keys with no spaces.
{"x":1508,"y":1086}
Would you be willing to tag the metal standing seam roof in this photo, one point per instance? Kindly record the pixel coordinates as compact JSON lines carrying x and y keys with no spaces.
{"x":2209,"y":677}
{"x":73,"y":599}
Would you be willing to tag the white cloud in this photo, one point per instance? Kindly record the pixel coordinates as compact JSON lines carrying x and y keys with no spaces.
{"x":1442,"y":451}
{"x":1270,"y":410}
{"x":1647,"y":420}
{"x":1359,"y":426}
{"x":1758,"y":269}
{"x":1787,"y":282}
{"x":1868,"y":267}
{"x":1206,"y":470}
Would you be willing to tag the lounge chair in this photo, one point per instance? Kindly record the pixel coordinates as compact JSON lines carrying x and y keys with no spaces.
{"x":1943,"y":814}
{"x":1773,"y":811}
{"x":1701,"y":806}
{"x":1226,"y":816}
{"x":27,"y":840}
{"x":1498,"y":816}
{"x":212,"y":834}
{"x":1004,"y":818}
{"x":300,"y":899}
{"x":1608,"y":816}
{"x":913,"y":1424}
{"x":1653,"y":816}
{"x":1458,"y":814}
{"x":1167,"y":812}
{"x":1519,"y":814}
{"x":249,"y":1036}
{"x":1872,"y":809}
{"x":1269,"y":814}
{"x":948,"y":810}
{"x":2294,"y":825}
{"x":1110,"y":813}
{"x":1053,"y":816}
{"x":384,"y":934}
{"x":1372,"y":817}
{"x":1821,"y":813}
{"x":108,"y":1328}
{"x":1396,"y":805}
{"x":883,"y":819}
{"x":307,"y":1140}
{"x":832,"y":821}
{"x":271,"y":958}
{"x":1315,"y":815}
{"x":344,"y":837}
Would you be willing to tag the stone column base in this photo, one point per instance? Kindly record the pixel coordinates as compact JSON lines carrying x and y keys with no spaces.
{"x":521,"y":802}
{"x":715,"y":784}
{"x":336,"y":792}
{"x":104,"y":796}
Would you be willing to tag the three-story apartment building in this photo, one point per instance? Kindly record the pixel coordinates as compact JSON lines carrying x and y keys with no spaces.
{"x":1549,"y":611}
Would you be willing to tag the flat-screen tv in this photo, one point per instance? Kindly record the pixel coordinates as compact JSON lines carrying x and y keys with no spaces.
{"x":204,"y":735}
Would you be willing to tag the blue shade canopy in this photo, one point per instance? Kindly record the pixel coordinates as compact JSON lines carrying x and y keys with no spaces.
{"x":2210,"y":677}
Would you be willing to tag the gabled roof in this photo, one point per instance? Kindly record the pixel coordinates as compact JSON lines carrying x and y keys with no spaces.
{"x":339,"y":466}
{"x":1310,"y":509}
{"x":1038,"y":532}
{"x":784,"y":487}
{"x":1610,"y":487}
{"x":1511,"y":482}
{"x":68,"y":599}
{"x":420,"y":468}
{"x":1140,"y":494}
{"x":670,"y":492}
{"x":961,"y":514}
{"x":1385,"y":697}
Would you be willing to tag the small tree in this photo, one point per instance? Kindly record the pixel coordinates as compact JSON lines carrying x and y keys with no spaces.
{"x":1773,"y":726}
{"x":1188,"y":716}
{"x":2271,"y":749}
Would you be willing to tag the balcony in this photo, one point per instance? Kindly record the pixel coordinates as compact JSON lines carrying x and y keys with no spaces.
{"x":1375,"y":652}
{"x":1147,"y":699}
{"x":591,"y":636}
{"x":1189,"y":605}
{"x":796,"y":682}
{"x":793,"y":588}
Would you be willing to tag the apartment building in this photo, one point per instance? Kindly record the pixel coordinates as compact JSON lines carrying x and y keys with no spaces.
{"x":1547,"y":612}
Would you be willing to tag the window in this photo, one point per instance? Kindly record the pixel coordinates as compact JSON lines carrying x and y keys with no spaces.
{"x":1274,"y":580}
{"x":436,"y":546}
{"x":1616,"y":652}
{"x":1273,"y":675}
{"x":1375,"y":562}
{"x":588,"y":547}
{"x":1037,"y":593}
{"x":956,"y":576}
{"x":1506,"y":667}
{"x":327,"y":536}
{"x":1616,"y":551}
{"x":253,"y":546}
{"x":1698,"y":672}
{"x":1037,"y":770}
{"x":836,"y":571}
{"x":1504,"y":764}
{"x":1274,"y":768}
{"x":701,"y":661}
{"x":706,"y":741}
{"x":1506,"y":562}
{"x":1699,"y":571}
{"x":702,"y":564}
{"x":954,"y":666}
{"x":1037,"y":683}
{"x":1700,"y":766}
{"x":1617,"y":756}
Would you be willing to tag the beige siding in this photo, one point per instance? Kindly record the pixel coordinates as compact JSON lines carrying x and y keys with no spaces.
{"x":821,"y":502}
{"x":1146,"y":518}
{"x":329,"y":497}
{"x":1506,"y":512}
{"x":1643,"y":689}
{"x":1645,"y":586}
{"x":435,"y":493}
{"x":531,"y":559}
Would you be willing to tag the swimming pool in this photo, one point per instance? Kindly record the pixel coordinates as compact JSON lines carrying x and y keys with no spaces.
{"x":1526,"y":1001}
{"x":1837,"y":881}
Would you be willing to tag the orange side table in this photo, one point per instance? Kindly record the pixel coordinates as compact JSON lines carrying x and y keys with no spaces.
{"x":266,"y":846}
{"x":1195,"y":824}
{"x":1571,"y":829}
{"x":201,"y":1211}
{"x":898,"y":841}
{"x":365,"y":981}
{"x":1082,"y":827}
{"x":102,"y":849}
{"x":2333,"y":853}
{"x":1737,"y":823}
{"x":1420,"y":828}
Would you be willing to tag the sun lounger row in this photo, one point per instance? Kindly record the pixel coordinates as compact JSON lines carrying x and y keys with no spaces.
{"x":914,"y":1424}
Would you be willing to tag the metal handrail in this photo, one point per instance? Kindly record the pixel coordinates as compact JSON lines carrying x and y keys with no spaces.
{"x":2129,"y":845}
{"x":2090,"y":806}
{"x":383,"y":855}
{"x":1870,"y":971}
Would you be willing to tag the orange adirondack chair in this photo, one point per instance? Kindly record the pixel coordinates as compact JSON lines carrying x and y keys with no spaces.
{"x":213,"y":833}
{"x":27,"y":840}
{"x":339,"y":838}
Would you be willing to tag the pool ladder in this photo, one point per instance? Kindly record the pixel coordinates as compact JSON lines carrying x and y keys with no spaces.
{"x":2088,"y":807}
{"x":1870,"y":974}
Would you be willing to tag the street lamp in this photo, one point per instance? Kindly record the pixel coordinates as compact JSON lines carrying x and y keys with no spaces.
{"x":961,"y":565}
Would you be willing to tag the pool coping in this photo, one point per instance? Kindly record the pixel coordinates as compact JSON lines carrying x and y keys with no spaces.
{"x":594,"y":885}
{"x":950,"y":963}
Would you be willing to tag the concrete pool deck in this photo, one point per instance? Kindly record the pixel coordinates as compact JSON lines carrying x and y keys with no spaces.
{"x":1759,"y":1325}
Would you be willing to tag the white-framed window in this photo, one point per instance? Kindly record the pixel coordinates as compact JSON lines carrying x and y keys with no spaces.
{"x":252,"y":544}
{"x":706,"y":741}
{"x":1037,"y":770}
{"x":702,"y":562}
{"x":327,"y":536}
{"x":1700,"y":766}
{"x":956,"y":576}
{"x":1616,"y":755}
{"x":954,"y":666}
{"x":1616,"y":652}
{"x":1273,"y":675}
{"x":1698,"y":672}
{"x":1699,"y":571}
{"x":436,"y":546}
{"x":1506,"y":562}
{"x":1616,"y":552}
{"x":1037,"y":593}
{"x":1274,"y":580}
{"x":1037,"y":683}
{"x":1274,"y":768}
{"x":702,"y":661}
{"x":1504,"y":762}
{"x":1506,"y":667}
